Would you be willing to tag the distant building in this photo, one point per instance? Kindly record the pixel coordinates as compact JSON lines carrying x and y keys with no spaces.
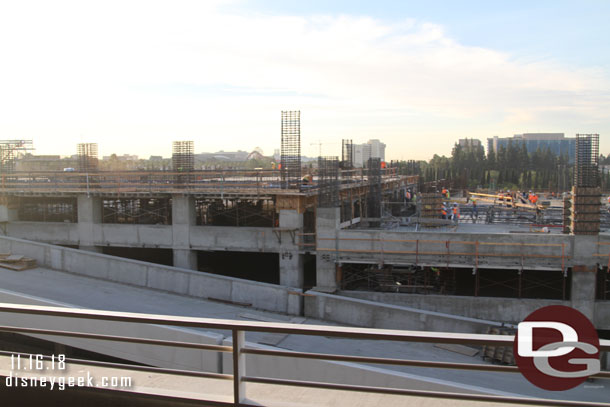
{"x":362,"y":153}
{"x":556,"y":142}
{"x":469,"y":142}
{"x":30,"y":162}
{"x":371,"y":149}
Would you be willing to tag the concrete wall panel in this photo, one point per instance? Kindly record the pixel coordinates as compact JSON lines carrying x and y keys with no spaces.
{"x":202,"y":285}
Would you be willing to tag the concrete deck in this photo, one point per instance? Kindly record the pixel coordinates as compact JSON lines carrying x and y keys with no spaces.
{"x":92,"y":293}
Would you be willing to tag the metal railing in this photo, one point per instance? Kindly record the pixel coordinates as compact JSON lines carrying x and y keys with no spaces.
{"x":239,"y":351}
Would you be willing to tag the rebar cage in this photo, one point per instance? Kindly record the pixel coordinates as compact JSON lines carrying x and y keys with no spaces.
{"x":291,"y":149}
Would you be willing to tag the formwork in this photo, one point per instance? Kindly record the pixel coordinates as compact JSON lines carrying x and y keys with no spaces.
{"x":567,"y":212}
{"x":291,"y":150}
{"x":585,"y":216}
{"x":431,"y":204}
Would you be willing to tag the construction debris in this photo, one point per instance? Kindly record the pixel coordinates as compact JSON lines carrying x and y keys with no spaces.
{"x":16,"y":262}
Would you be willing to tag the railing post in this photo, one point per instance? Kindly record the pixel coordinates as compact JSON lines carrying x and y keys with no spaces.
{"x":239,"y":366}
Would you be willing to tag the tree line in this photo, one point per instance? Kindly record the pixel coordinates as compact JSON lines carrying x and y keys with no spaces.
{"x":511,"y":167}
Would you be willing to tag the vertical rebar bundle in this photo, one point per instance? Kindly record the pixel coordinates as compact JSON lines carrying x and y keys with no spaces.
{"x":347,"y":154}
{"x":291,"y":150}
{"x":8,"y":153}
{"x":328,"y":182}
{"x":87,"y":157}
{"x":374,"y":196}
{"x":586,"y":168}
{"x":183,"y":156}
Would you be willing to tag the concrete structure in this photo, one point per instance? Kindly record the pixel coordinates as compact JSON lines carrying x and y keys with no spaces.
{"x":83,"y":292}
{"x":336,"y":242}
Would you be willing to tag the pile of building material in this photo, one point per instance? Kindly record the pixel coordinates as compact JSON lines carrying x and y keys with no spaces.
{"x":16,"y":262}
{"x":499,"y":354}
{"x":585,"y":211}
{"x":431,"y":204}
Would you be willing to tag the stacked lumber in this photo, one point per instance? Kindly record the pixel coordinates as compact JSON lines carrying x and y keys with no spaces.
{"x":586,"y":206}
{"x":16,"y":262}
{"x":499,"y":354}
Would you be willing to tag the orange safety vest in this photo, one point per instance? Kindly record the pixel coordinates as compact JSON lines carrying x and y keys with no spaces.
{"x":455,"y":212}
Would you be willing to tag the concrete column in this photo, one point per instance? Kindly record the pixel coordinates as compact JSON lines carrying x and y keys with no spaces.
{"x":582,"y":290}
{"x":584,"y":273}
{"x":89,"y":218}
{"x":291,"y":262}
{"x":183,"y":217}
{"x":327,"y":226}
{"x":8,"y":213}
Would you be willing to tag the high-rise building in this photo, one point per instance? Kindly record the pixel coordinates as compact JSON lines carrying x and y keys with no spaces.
{"x":371,"y":149}
{"x":557,"y":143}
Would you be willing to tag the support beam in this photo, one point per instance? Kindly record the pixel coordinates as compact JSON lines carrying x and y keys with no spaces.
{"x":327,"y":226}
{"x":583,"y":289}
{"x":89,"y":218}
{"x":183,"y":217}
{"x":291,"y":262}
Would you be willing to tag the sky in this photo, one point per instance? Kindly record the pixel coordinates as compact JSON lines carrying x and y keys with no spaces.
{"x":133,"y":76}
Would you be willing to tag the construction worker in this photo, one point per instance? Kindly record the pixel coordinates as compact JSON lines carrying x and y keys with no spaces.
{"x":444,"y":192}
{"x":534,"y":199}
{"x":444,"y":211}
{"x":455,"y":213}
{"x":475,"y":211}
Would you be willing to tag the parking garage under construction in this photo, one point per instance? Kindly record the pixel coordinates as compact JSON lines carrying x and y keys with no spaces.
{"x":334,"y":228}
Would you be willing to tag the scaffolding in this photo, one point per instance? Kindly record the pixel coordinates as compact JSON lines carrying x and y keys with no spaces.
{"x":374,"y":195}
{"x":142,"y":211}
{"x":328,"y":182}
{"x":87,"y":157}
{"x":8,"y":152}
{"x":235,"y":212}
{"x":586,"y":164}
{"x":291,"y":150}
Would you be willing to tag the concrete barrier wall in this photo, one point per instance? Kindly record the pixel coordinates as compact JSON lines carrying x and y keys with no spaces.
{"x":250,"y":239}
{"x":160,"y":356}
{"x":392,"y":247}
{"x":510,"y":310}
{"x":50,"y":232}
{"x":356,"y":312}
{"x":175,"y":280}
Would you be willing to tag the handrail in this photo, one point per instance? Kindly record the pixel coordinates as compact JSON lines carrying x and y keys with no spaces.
{"x":239,"y":349}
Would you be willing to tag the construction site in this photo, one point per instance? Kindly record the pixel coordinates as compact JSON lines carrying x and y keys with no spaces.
{"x":333,"y":228}
{"x":363,"y":247}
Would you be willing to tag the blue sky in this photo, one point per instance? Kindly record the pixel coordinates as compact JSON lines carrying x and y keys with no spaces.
{"x":135,"y":75}
{"x":574,"y":32}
